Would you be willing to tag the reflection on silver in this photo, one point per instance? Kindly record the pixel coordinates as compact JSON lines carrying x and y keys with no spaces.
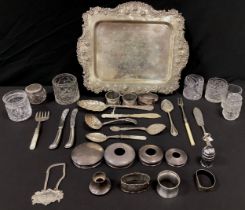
{"x":168,"y":184}
{"x":100,"y":184}
{"x":119,"y":155}
{"x":150,"y":155}
{"x":176,"y":157}
{"x":87,"y":155}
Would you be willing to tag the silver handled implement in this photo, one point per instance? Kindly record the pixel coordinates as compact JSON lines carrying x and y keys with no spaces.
{"x":56,"y":141}
{"x":71,"y":139}
{"x":39,"y":117}
{"x":187,"y":126}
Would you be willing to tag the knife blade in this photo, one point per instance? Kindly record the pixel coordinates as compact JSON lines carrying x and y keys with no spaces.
{"x":70,"y":141}
{"x":56,"y":141}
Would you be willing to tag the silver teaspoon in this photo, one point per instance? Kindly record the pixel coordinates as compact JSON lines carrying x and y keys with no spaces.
{"x":152,"y":129}
{"x":167,"y":107}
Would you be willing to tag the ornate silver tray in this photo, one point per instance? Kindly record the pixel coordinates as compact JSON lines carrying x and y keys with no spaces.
{"x":132,"y":48}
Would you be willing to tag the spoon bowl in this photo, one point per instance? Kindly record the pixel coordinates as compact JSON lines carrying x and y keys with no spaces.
{"x":92,"y":121}
{"x":167,"y":106}
{"x":155,"y":129}
{"x":96,"y":137}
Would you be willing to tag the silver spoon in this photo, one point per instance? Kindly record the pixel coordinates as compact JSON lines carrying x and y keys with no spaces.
{"x":152,"y":129}
{"x":167,"y":106}
{"x":93,"y":122}
{"x":100,"y":137}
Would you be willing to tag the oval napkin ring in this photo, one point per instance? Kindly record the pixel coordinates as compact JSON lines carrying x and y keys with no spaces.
{"x":135,"y":182}
{"x":200,"y":185}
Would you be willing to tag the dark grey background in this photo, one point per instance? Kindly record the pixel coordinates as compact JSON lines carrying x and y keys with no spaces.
{"x":23,"y":171}
{"x":38,"y":38}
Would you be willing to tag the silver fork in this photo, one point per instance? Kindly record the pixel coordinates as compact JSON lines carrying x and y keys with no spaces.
{"x":187,"y":126}
{"x":39,"y":117}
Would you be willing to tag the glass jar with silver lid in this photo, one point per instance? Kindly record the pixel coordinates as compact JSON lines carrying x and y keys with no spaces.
{"x":36,"y":93}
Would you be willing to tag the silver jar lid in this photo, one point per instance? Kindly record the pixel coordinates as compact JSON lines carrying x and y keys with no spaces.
{"x":87,"y":155}
{"x":176,"y":157}
{"x":33,"y":88}
{"x":150,"y":155}
{"x":119,"y":155}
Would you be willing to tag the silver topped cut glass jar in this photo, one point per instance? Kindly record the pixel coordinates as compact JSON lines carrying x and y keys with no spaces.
{"x":65,"y":89}
{"x":36,"y":93}
{"x":17,"y":105}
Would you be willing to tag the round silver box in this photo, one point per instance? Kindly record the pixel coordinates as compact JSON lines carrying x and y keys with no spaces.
{"x":150,"y":155}
{"x":119,"y":155}
{"x":87,"y":155}
{"x":176,"y":157}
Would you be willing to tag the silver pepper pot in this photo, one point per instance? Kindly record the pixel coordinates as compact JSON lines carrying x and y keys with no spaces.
{"x":100,"y":184}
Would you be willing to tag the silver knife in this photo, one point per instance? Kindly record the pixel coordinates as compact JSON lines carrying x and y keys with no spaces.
{"x":56,"y":141}
{"x":70,"y":141}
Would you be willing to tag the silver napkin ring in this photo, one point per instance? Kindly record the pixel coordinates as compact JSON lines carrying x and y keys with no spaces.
{"x":168,"y":184}
{"x":135,"y":182}
{"x":200,"y":185}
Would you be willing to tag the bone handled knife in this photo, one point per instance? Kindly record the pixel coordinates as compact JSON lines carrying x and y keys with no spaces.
{"x":56,"y":141}
{"x":71,"y":139}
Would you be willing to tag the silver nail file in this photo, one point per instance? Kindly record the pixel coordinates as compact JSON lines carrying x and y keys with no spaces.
{"x":56,"y":141}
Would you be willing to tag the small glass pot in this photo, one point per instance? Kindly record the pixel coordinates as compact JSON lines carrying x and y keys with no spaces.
{"x":65,"y":89}
{"x":232,"y":88}
{"x":36,"y":93}
{"x":216,"y":90}
{"x":232,"y":106}
{"x":193,"y":87}
{"x":17,"y":105}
